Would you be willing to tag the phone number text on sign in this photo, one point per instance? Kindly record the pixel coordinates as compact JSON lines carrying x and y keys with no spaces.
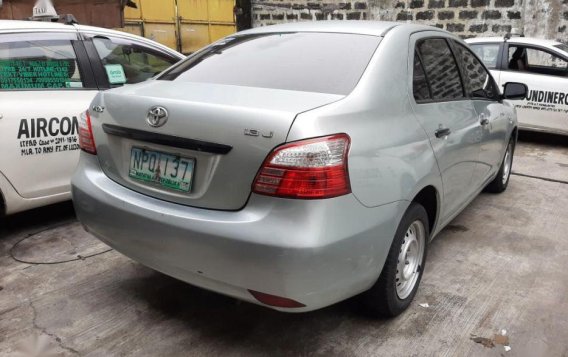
{"x":41,"y":136}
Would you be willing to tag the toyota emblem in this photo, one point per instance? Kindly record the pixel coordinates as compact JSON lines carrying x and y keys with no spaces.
{"x":157,"y":117}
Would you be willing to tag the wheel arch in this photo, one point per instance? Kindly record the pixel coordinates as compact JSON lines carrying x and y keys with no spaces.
{"x":515,"y":133}
{"x":2,"y":204}
{"x":429,"y":198}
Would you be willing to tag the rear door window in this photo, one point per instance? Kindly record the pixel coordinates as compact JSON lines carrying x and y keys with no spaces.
{"x":126,"y":62}
{"x":38,"y":62}
{"x":488,"y":52}
{"x":302,"y":61}
{"x":478,"y":82}
{"x":441,"y":69}
{"x":420,"y":87}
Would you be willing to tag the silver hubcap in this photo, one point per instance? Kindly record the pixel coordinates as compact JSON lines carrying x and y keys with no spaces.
{"x":507,"y":162}
{"x":410,"y":259}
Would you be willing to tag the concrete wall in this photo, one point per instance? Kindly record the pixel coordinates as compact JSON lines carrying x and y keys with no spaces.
{"x":468,"y":18}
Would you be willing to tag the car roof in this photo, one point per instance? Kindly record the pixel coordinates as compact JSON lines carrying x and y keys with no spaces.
{"x":31,"y":25}
{"x":516,"y":39}
{"x":374,"y":28}
{"x":20,"y":25}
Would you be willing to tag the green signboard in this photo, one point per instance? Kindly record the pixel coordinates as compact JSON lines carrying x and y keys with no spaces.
{"x":115,"y":74}
{"x":30,"y":74}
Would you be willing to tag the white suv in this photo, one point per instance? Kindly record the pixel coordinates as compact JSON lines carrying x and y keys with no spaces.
{"x":540,"y":64}
{"x":49,"y":73}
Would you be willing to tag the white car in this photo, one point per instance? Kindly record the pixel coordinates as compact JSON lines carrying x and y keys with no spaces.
{"x":540,"y":64}
{"x":49,"y":73}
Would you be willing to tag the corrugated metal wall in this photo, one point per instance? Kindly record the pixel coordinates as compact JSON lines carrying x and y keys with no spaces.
{"x":185,"y":25}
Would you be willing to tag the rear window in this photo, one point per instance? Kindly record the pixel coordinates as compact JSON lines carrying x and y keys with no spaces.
{"x":562,"y":47}
{"x":310,"y":62}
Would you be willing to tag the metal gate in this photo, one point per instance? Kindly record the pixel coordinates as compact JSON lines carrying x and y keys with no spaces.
{"x":185,"y":25}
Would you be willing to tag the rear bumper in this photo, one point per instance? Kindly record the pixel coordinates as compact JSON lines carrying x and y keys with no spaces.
{"x":315,"y":252}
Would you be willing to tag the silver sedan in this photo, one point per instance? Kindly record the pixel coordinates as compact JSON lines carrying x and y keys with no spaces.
{"x":298,"y":165}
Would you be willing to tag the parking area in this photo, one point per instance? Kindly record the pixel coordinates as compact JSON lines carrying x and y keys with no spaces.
{"x":499,"y":268}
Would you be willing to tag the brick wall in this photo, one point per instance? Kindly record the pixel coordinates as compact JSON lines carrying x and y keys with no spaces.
{"x":467,"y":18}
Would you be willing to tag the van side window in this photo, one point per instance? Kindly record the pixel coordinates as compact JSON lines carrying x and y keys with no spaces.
{"x":478,"y":82}
{"x":441,"y":69}
{"x":532,"y":60}
{"x":419,"y":83}
{"x":38,"y":64}
{"x":489,"y":53}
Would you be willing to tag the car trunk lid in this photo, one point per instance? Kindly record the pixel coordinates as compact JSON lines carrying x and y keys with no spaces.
{"x":223,"y":132}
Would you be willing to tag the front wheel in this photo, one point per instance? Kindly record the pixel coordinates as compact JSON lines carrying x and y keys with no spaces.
{"x":399,"y":280}
{"x":501,"y":181}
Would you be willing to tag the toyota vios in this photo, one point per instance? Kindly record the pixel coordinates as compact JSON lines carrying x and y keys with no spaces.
{"x":295,"y":166}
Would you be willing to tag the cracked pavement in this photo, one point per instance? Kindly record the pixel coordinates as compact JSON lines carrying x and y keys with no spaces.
{"x":501,"y":264}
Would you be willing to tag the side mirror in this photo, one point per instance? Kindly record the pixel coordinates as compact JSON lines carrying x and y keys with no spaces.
{"x":514,"y":90}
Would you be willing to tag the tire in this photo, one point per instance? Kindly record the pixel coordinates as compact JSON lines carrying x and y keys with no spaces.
{"x":501,"y":181}
{"x":2,"y":215}
{"x":390,"y":296}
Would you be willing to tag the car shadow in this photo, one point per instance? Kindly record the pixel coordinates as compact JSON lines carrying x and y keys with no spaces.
{"x":220,"y":319}
{"x":39,"y":218}
{"x":543,"y":138}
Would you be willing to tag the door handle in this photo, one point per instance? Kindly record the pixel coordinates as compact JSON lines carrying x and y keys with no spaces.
{"x":442,"y":132}
{"x":483,"y":120}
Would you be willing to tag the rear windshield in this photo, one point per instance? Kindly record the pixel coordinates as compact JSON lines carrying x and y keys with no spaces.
{"x":302,"y":61}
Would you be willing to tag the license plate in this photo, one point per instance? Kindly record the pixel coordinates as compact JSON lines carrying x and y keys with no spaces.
{"x":165,"y":170}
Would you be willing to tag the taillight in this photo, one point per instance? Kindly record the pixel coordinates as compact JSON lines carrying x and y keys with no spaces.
{"x":307,"y":169}
{"x":86,"y":138}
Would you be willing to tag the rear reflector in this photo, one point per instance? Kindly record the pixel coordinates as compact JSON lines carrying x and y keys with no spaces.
{"x":276,"y":301}
{"x":307,"y":169}
{"x":86,"y":138}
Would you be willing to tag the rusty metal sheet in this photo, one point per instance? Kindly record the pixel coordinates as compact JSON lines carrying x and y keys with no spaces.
{"x":194,"y":37}
{"x":221,"y":10}
{"x":135,"y":29}
{"x":218,"y":31}
{"x":162,"y":10}
{"x":102,"y":13}
{"x":162,"y":33}
{"x":131,"y":13}
{"x":193,"y":10}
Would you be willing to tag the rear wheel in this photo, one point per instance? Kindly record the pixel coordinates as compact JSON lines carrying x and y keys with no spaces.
{"x":501,"y":181}
{"x":399,"y":280}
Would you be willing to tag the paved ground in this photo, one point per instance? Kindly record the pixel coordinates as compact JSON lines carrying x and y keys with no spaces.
{"x":502,"y":264}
